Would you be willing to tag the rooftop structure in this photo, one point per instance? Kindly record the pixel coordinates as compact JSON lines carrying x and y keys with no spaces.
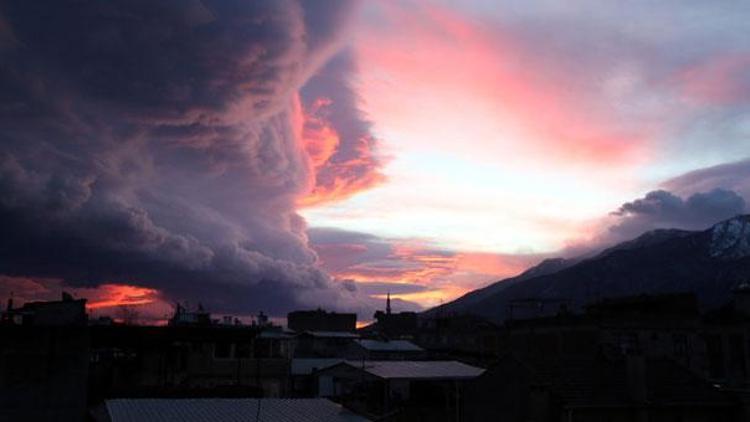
{"x":320,"y":320}
{"x":394,"y":324}
{"x":331,"y":334}
{"x":65,"y":312}
{"x":306,"y":366}
{"x":226,"y":410}
{"x":388,"y":346}
{"x":417,"y":370}
{"x":184,"y":317}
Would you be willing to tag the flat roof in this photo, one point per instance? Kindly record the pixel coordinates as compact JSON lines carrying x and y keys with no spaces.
{"x":423,"y":370}
{"x":228,"y":410}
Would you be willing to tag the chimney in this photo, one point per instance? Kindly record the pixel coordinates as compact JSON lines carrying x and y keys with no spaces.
{"x":635,"y":364}
{"x":741,"y":296}
{"x":388,"y":304}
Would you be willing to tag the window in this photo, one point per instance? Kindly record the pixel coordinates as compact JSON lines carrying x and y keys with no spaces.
{"x":680,"y":344}
{"x":737,"y":355}
{"x":222,"y":350}
{"x":628,"y":342}
{"x":242,"y":350}
{"x":715,"y":356}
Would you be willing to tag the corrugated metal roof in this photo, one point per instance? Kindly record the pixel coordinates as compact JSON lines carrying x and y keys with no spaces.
{"x":276,"y":334}
{"x":418,"y":369}
{"x":228,"y":410}
{"x":302,"y":366}
{"x":332,"y":334}
{"x":389,"y":346}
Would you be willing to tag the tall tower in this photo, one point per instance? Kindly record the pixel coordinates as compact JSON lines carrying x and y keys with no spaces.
{"x":388,"y":304}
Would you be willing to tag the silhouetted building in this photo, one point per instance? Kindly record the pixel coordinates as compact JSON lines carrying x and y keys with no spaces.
{"x":376,"y":349}
{"x":320,"y":320}
{"x":461,"y":335}
{"x":599,"y":387}
{"x":188,"y":361}
{"x":304,"y":374}
{"x":65,"y":312}
{"x":413,"y":390}
{"x":182,"y":316}
{"x":714,"y":345}
{"x":394,"y":325}
{"x":741,"y":299}
{"x":44,"y":353}
{"x":655,"y":325}
{"x":323,"y":344}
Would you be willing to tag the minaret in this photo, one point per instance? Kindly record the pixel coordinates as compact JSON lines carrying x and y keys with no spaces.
{"x":388,"y":304}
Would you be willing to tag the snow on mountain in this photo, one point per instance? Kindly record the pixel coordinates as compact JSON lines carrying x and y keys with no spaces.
{"x":730,"y":239}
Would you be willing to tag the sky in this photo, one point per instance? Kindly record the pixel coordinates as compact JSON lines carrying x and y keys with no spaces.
{"x":280,"y":155}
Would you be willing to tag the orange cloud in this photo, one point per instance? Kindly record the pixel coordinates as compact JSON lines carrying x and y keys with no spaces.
{"x":104,"y":299}
{"x":405,"y":263}
{"x":319,"y":139}
{"x":113,"y":295}
{"x":443,"y":274}
{"x":335,"y":178}
{"x":431,"y":297}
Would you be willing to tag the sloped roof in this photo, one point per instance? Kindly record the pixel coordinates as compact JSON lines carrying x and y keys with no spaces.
{"x":423,"y":370}
{"x":389,"y":346}
{"x":331,"y":334}
{"x":305,"y":366}
{"x":228,"y":410}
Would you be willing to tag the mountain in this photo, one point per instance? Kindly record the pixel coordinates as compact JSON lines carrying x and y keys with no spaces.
{"x":467,"y":302}
{"x":710,"y":263}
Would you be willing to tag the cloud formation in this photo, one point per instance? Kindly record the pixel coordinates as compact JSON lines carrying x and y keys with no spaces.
{"x":664,"y":209}
{"x":731,"y":176}
{"x":419,"y":273}
{"x":661,"y":209}
{"x":158,"y":144}
{"x":336,"y":134}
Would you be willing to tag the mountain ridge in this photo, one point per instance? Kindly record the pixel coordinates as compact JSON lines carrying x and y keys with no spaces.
{"x":707,"y":262}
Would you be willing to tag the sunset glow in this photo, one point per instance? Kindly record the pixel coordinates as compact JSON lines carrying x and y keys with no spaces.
{"x":505,"y":142}
{"x":257,"y":156}
{"x":113,"y":295}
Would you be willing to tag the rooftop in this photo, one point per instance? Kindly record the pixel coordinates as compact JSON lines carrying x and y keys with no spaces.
{"x":389,"y":346}
{"x":423,"y":370}
{"x":304,"y":366}
{"x":331,"y":334}
{"x":228,"y":410}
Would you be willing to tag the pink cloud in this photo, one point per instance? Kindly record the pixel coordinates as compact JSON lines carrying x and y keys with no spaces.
{"x":440,"y":274}
{"x":434,"y":55}
{"x":720,"y":80}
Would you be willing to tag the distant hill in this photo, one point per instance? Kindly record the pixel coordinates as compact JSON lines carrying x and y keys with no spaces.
{"x":709,"y":263}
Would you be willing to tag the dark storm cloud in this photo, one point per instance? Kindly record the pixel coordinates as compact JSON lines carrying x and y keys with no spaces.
{"x":732,"y":176}
{"x":343,"y":249}
{"x":153,"y":143}
{"x":663,"y":209}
